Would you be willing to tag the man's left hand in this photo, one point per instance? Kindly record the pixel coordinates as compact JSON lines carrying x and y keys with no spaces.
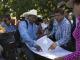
{"x":53,"y":46}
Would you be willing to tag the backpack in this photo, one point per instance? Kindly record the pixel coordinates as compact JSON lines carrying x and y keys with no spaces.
{"x":50,"y":25}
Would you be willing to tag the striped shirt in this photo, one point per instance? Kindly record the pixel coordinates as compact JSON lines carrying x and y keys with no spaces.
{"x":62,"y":31}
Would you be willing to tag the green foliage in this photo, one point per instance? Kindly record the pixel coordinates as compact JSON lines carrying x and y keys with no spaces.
{"x":21,"y":6}
{"x":17,"y":7}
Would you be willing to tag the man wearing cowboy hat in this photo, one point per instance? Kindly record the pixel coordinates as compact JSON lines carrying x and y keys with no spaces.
{"x":28,"y":33}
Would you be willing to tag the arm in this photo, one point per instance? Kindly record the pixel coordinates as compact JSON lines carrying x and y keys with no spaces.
{"x":65,"y":35}
{"x":73,"y":56}
{"x":54,"y":28}
{"x":24,"y":33}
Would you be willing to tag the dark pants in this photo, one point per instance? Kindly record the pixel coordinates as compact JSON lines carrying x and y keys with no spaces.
{"x":29,"y":53}
{"x":32,"y":56}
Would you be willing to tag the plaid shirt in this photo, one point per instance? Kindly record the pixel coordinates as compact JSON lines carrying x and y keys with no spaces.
{"x":75,"y":55}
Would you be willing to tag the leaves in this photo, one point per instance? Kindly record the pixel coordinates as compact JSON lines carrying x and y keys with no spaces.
{"x":17,"y":7}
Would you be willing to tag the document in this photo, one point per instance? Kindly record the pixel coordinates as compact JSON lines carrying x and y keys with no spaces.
{"x":44,"y":42}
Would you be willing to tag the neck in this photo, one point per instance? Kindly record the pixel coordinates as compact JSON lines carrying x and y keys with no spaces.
{"x":61,"y":20}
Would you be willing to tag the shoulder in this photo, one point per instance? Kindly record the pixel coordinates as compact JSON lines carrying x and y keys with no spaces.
{"x":66,"y":25}
{"x":66,"y":22}
{"x":55,"y":23}
{"x":22,"y":23}
{"x":3,"y":23}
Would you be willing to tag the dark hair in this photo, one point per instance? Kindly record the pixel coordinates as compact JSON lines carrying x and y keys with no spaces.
{"x":7,"y":16}
{"x":76,"y":2}
{"x":22,"y":18}
{"x":38,"y":21}
{"x":59,"y":10}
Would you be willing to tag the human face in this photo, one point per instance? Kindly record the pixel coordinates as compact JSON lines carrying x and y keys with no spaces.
{"x":58,"y":17}
{"x":76,"y":9}
{"x":32,"y":18}
{"x":7,"y":21}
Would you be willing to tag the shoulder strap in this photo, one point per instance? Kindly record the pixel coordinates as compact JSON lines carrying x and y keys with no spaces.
{"x":26,"y":23}
{"x":50,"y":25}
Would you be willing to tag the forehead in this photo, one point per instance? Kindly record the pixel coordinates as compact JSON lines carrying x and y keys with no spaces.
{"x":77,"y":6}
{"x":57,"y":14}
{"x":32,"y":16}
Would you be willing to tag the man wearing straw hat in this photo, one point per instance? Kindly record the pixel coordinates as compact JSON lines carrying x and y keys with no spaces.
{"x":28,"y":32}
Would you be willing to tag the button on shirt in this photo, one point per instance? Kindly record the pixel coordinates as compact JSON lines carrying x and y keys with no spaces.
{"x":28,"y":32}
{"x":62,"y":31}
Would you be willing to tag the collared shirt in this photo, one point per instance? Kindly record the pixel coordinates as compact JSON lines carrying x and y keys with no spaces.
{"x":28,"y":32}
{"x":62,"y":31}
{"x":8,"y":28}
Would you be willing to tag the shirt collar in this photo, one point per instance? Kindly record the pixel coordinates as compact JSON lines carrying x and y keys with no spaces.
{"x":62,"y":21}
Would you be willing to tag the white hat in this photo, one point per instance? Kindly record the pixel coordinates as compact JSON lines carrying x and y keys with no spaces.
{"x":31,"y":12}
{"x":40,"y":16}
{"x":25,"y":14}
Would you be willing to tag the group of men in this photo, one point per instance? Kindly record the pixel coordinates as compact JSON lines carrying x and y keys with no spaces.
{"x":29,"y":29}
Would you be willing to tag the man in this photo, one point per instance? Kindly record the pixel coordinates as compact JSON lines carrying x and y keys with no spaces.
{"x":61,"y":29}
{"x":28,"y":30}
{"x":9,"y":27}
{"x":76,"y":54}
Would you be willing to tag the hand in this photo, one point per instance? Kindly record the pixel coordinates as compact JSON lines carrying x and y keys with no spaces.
{"x":38,"y":48}
{"x":53,"y":46}
{"x":40,"y":33}
{"x":60,"y":58}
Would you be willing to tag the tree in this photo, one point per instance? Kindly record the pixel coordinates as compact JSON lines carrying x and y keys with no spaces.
{"x":21,"y":6}
{"x":45,"y":7}
{"x":17,"y":7}
{"x":4,"y":8}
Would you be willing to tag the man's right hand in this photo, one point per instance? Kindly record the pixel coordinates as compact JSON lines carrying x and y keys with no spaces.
{"x":53,"y":46}
{"x":38,"y":48}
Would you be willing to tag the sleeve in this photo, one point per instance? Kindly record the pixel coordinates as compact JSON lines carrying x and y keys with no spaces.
{"x":24,"y":34}
{"x":54,"y":27}
{"x":75,"y":55}
{"x":66,"y":33}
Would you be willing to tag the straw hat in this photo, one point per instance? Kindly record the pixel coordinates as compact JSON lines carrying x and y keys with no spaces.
{"x":31,"y":12}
